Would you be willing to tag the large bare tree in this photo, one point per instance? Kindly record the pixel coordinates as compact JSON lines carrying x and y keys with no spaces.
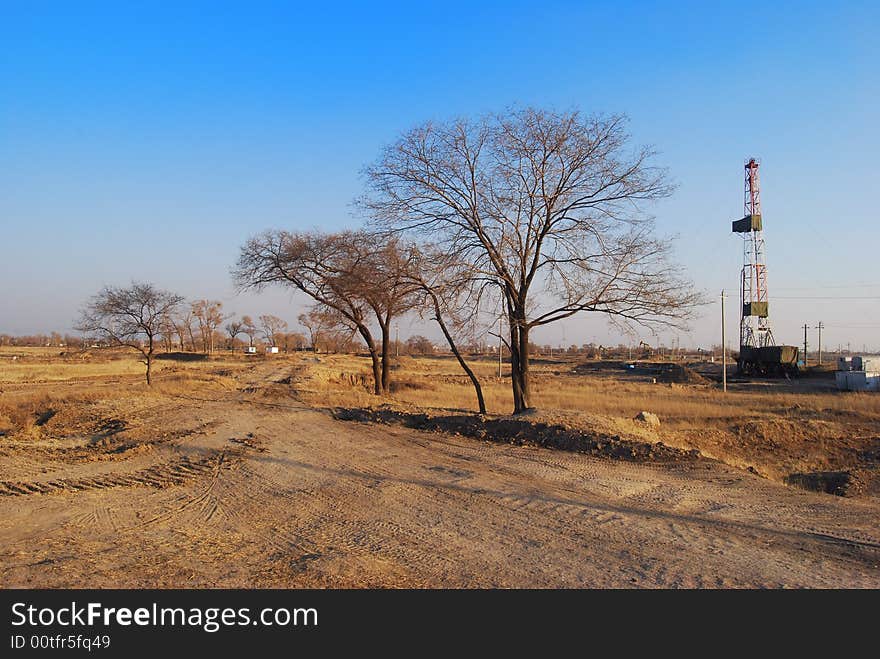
{"x":356,"y":275}
{"x":132,"y":317}
{"x":547,"y":207}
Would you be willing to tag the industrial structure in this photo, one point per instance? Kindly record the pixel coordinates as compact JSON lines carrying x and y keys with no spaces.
{"x":758,"y":352}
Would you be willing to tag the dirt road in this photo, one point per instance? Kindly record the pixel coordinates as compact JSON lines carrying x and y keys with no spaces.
{"x":237,"y":491}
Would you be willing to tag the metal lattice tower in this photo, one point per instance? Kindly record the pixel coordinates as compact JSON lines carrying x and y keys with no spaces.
{"x":754,"y":321}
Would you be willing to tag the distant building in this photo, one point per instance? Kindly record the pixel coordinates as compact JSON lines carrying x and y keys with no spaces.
{"x":858,"y":374}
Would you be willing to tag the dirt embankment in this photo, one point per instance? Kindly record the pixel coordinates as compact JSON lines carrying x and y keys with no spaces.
{"x":824,"y":464}
{"x":523,"y":431}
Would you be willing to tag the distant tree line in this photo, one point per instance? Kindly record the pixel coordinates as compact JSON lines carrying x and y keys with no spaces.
{"x":51,"y":340}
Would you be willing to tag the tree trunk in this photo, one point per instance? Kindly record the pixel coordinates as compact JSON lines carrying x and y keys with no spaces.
{"x":377,"y":372}
{"x":519,"y":364}
{"x":464,"y":365}
{"x":374,"y":356}
{"x":148,"y":357}
{"x":386,"y":349}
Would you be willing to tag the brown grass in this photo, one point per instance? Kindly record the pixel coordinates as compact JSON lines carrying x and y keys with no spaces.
{"x":41,"y":382}
{"x":431,"y":382}
{"x":773,"y":427}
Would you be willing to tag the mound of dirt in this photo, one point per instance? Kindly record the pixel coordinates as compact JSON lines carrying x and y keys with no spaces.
{"x":840,"y":483}
{"x":520,"y":431}
{"x":681,"y":375}
{"x":182,"y":356}
{"x":601,"y":365}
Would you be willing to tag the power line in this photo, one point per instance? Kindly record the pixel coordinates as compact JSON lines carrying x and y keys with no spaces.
{"x":812,"y":288}
{"x":854,"y":326}
{"x":827,"y":297}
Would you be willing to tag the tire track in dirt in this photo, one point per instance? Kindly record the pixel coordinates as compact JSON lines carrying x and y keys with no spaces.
{"x":213,"y":465}
{"x":174,"y":472}
{"x":649,"y":502}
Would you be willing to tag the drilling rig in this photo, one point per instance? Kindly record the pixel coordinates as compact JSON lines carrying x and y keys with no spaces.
{"x":758,"y":352}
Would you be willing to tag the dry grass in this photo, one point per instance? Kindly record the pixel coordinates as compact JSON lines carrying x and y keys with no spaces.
{"x":40,"y":382}
{"x":776,"y":428}
{"x":48,"y":365}
{"x":430,"y":382}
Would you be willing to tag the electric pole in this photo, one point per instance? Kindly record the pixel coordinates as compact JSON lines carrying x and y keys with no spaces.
{"x":805,"y":346}
{"x":723,"y":346}
{"x":819,"y":327}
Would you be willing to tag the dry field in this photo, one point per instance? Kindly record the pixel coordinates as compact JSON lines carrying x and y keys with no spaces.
{"x":286,"y":472}
{"x":774,"y":428}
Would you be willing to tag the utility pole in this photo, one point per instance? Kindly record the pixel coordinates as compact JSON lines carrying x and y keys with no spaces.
{"x":819,"y":327}
{"x":723,"y":346}
{"x":805,"y":346}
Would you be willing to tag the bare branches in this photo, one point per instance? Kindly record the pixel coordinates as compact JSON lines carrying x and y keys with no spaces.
{"x":273,"y":328}
{"x":134,"y":317}
{"x":209,"y":316}
{"x":357,"y":275}
{"x":548,"y":206}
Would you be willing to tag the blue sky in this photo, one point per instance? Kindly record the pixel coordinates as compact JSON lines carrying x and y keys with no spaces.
{"x":149,"y":140}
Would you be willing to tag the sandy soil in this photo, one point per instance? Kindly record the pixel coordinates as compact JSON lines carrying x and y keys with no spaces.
{"x":238,"y":489}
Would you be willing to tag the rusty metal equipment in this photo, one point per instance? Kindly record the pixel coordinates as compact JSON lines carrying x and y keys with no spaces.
{"x":758,"y":353}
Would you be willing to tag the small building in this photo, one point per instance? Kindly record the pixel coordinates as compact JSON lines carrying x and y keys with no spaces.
{"x":858,"y":374}
{"x":271,"y":350}
{"x":858,"y":380}
{"x":250,"y":350}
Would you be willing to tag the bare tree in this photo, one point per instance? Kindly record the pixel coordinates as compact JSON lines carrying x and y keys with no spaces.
{"x":312,"y":322}
{"x":547,"y":208}
{"x":130,"y":317}
{"x":446,"y":289}
{"x":233,"y":329}
{"x":273,"y":327}
{"x":209,"y":316}
{"x":419,"y":345}
{"x":249,"y":329}
{"x":327,"y":329}
{"x":183,"y":327}
{"x":293,"y":341}
{"x":354,"y":274}
{"x":167,"y":331}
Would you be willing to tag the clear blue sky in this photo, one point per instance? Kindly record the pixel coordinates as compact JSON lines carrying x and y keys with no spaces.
{"x":148,"y":140}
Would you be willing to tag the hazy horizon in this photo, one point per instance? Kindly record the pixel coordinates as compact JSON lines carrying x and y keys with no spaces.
{"x":149,"y":145}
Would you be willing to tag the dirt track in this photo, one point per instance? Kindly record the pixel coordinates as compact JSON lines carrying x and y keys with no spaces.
{"x":239,"y":491}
